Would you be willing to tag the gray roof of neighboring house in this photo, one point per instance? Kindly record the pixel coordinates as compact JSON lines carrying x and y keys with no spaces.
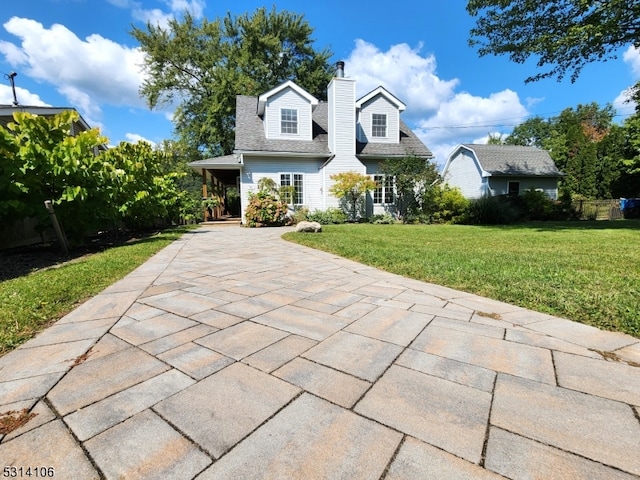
{"x":514,"y":160}
{"x":250,"y":136}
{"x":6,"y":114}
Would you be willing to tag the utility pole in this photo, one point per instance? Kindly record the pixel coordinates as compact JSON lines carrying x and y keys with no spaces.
{"x":11,"y":77}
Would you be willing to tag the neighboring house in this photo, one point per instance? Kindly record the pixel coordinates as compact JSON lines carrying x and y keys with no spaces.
{"x":7,"y":111}
{"x":489,"y":170}
{"x":288,"y":135}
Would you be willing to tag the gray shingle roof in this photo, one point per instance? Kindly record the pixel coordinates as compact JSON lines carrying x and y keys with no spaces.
{"x":250,"y":136}
{"x":514,"y":160}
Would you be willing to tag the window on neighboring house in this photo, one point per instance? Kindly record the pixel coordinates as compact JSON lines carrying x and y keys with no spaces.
{"x":289,"y":121}
{"x":513,"y":188}
{"x":293,"y":192}
{"x":383,"y":194}
{"x":378,"y":125}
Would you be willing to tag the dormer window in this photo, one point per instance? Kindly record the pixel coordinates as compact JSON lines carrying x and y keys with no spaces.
{"x":378,"y":125}
{"x":289,"y":121}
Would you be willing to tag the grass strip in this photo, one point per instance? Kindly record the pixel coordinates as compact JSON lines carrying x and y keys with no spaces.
{"x":584,"y":271}
{"x":32,"y":302}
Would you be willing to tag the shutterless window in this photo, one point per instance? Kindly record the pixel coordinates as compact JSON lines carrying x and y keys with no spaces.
{"x":384,"y":191}
{"x":514,"y":188}
{"x":289,"y":121}
{"x":294,"y":195}
{"x":379,"y":125}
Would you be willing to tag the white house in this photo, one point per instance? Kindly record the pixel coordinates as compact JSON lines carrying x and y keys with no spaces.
{"x":489,"y":170}
{"x":296,"y":140}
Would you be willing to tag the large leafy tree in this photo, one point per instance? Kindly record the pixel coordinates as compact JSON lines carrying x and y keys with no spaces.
{"x":584,"y":145}
{"x":413,"y":178}
{"x":200,"y":67}
{"x":564,"y":35}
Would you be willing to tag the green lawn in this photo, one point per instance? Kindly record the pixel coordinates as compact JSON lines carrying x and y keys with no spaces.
{"x":32,"y":302}
{"x":584,"y":271}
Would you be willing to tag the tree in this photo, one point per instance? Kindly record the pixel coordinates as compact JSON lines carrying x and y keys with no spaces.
{"x":413,"y":177}
{"x":202,"y":66}
{"x":351,"y":188}
{"x":532,"y":133}
{"x":563,"y":34}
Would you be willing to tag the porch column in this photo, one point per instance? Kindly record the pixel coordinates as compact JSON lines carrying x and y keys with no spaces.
{"x":204,"y":193}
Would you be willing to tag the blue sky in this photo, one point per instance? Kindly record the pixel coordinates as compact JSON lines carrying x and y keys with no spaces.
{"x":79,"y":53}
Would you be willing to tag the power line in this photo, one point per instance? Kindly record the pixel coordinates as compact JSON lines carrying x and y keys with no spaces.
{"x":500,"y":123}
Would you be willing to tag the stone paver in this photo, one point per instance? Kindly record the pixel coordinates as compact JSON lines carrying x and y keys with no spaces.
{"x":447,"y":369}
{"x":325,"y":382}
{"x":310,"y":439}
{"x":516,"y":457}
{"x":49,"y":446}
{"x":391,"y":325}
{"x":235,"y":354}
{"x":146,"y":447}
{"x":363,"y":357}
{"x":96,"y":418}
{"x":279,"y":353}
{"x":614,"y":380}
{"x":418,"y":460}
{"x":220,"y":410}
{"x":242,"y":339}
{"x":145,"y":331}
{"x":491,"y":353}
{"x":93,"y":381}
{"x":597,"y":428}
{"x":450,"y":416}
{"x":194,"y":360}
{"x":43,"y":360}
{"x":303,"y":322}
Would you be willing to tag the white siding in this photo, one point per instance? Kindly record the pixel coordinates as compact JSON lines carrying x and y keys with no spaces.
{"x":257,"y":167}
{"x":500,"y":185}
{"x":288,"y":98}
{"x":379,"y":104}
{"x":342,"y":116}
{"x":464,"y":172}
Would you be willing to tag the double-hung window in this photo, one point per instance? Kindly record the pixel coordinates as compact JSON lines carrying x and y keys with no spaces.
{"x":383,"y":194}
{"x":378,"y":125}
{"x":292,"y":188}
{"x":289,"y":121}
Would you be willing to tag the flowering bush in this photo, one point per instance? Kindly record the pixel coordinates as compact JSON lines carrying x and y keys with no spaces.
{"x":265,"y":210}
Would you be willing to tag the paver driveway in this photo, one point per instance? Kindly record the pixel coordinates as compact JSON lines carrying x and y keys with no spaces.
{"x":233,"y":354}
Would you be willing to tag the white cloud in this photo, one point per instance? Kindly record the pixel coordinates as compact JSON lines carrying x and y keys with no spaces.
{"x":25,"y":97}
{"x":631,"y":56}
{"x":135,"y":138}
{"x":158,"y":16}
{"x":403,"y":71}
{"x":441,"y":117}
{"x":87,"y":72}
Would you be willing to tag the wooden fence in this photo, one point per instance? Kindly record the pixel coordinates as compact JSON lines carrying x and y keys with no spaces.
{"x":22,"y":233}
{"x":598,"y":209}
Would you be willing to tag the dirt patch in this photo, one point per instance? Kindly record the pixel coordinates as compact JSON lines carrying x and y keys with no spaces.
{"x":14,"y":419}
{"x":18,"y":262}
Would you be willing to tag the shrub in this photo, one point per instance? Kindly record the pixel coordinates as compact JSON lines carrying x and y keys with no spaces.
{"x":383,"y":219}
{"x":264,"y":209}
{"x":493,"y":211}
{"x":450,"y":205}
{"x":300,"y":214}
{"x":328,"y":217}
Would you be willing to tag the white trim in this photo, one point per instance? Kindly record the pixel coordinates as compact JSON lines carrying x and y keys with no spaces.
{"x":262,"y":99}
{"x":385,"y":93}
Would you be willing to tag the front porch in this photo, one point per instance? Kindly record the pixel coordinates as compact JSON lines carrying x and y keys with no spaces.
{"x":220,"y":189}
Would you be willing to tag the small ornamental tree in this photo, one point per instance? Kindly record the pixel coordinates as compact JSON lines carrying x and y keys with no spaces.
{"x":350,"y":187}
